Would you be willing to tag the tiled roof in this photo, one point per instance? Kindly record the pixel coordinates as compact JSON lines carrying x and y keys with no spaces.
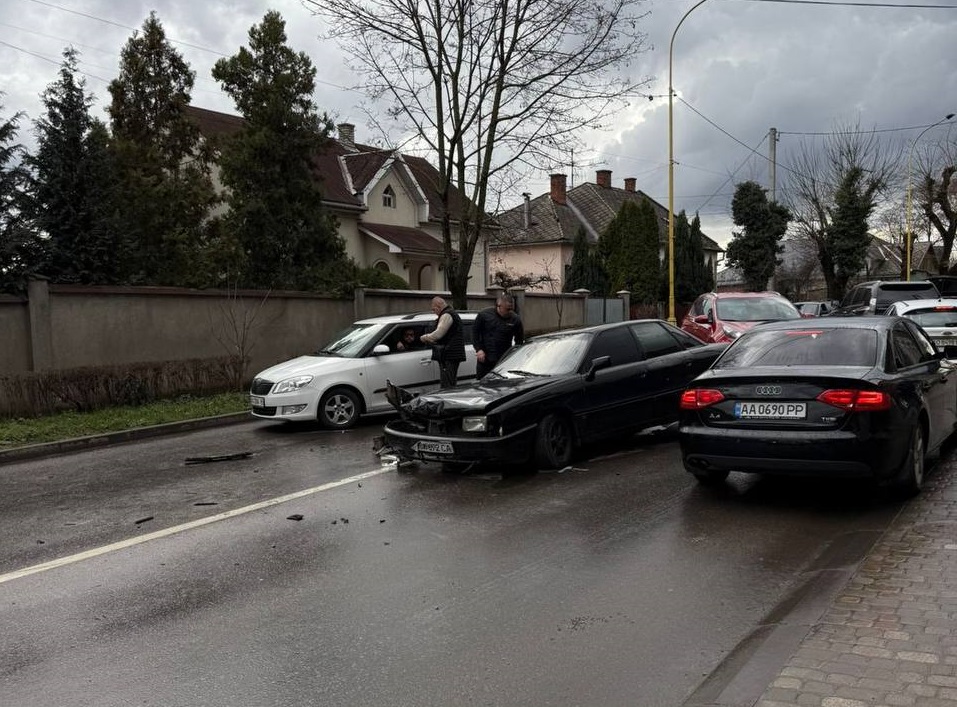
{"x":363,"y":162}
{"x":588,"y":204}
{"x":405,"y":240}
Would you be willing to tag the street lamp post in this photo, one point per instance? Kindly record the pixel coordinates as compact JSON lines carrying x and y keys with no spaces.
{"x":909,"y":248}
{"x":671,"y":171}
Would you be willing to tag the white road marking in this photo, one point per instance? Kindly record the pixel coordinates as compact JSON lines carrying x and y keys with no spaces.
{"x":130,"y":542}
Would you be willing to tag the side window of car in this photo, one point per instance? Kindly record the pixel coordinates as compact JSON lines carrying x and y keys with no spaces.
{"x":698,"y":307}
{"x":654,"y":339}
{"x":927,"y":350}
{"x":617,"y":343}
{"x":706,"y":305}
{"x":906,"y":351}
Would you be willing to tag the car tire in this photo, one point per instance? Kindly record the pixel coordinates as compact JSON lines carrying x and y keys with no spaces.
{"x":553,"y":443}
{"x":911,"y":478}
{"x":339,"y":409}
{"x":707,"y":477}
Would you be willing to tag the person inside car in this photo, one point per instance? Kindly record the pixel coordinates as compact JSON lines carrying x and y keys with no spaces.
{"x":408,"y":341}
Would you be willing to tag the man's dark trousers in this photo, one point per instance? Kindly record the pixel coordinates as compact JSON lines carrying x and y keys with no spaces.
{"x":481,"y":368}
{"x":448,"y":374}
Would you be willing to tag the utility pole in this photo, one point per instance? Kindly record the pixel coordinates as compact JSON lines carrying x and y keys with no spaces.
{"x":773,"y":140}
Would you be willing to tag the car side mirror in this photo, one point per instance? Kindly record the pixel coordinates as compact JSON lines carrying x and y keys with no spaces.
{"x":380,"y":349}
{"x":596,"y":365}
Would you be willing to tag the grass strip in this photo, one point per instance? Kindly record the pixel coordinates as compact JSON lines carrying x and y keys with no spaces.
{"x":68,"y":425}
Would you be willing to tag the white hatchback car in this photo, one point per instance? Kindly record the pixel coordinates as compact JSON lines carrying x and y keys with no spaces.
{"x":347,"y":377}
{"x":938,"y":317}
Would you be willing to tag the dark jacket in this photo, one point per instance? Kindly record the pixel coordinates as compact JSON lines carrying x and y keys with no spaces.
{"x":494,"y":334}
{"x":452,"y":345}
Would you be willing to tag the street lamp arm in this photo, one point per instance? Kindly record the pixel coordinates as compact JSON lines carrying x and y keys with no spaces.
{"x":671,"y":168}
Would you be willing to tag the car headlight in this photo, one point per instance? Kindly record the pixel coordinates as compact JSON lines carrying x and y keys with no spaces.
{"x":474,"y":424}
{"x":291,"y":384}
{"x":731,"y":333}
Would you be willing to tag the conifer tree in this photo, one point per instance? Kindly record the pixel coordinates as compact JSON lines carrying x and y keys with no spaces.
{"x":755,"y":248}
{"x":165,"y":189}
{"x":19,"y":247}
{"x":288,"y":240}
{"x":71,"y":186}
{"x":586,"y":270}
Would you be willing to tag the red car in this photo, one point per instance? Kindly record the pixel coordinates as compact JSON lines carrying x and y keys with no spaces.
{"x":721,"y":317}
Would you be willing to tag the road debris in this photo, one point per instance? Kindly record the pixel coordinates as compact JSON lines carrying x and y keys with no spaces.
{"x":218,"y":458}
{"x":295,"y":516}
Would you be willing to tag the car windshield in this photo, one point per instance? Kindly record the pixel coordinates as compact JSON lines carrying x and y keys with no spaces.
{"x":544,"y":356}
{"x":755,"y":309}
{"x":802,"y":347}
{"x":934,"y":316}
{"x":350,"y":342}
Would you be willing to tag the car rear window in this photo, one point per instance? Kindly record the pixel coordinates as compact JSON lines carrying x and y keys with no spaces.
{"x":755,"y":309}
{"x":802,"y":347}
{"x":944,"y":316}
{"x":888,"y":294}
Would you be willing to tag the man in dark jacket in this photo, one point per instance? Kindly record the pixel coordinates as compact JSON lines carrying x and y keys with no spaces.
{"x":447,"y":341}
{"x":493,"y":333}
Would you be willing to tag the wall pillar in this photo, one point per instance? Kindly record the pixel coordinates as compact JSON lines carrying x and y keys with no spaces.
{"x":359,"y":303}
{"x":518,"y":294}
{"x":41,"y":329}
{"x":625,"y":297}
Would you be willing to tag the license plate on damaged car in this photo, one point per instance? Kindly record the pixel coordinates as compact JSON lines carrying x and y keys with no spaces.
{"x":433,"y":447}
{"x":770,"y":411}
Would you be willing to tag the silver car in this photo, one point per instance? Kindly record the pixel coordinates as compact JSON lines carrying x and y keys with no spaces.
{"x":938,"y":317}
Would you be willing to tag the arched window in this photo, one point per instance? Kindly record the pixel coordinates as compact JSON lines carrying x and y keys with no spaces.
{"x":382,"y":265}
{"x":424,"y":278}
{"x":388,"y":197}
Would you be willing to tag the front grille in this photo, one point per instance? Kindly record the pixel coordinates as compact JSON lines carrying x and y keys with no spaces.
{"x":261,"y":386}
{"x":270,"y":411}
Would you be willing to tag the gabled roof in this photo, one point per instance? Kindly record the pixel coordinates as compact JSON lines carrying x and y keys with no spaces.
{"x":590,"y":205}
{"x":347,"y":170}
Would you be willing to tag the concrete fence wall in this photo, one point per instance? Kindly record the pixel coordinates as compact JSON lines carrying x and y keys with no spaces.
{"x":64,"y":326}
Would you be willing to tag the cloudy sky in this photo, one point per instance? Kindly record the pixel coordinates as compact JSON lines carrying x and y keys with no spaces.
{"x":740,"y":68}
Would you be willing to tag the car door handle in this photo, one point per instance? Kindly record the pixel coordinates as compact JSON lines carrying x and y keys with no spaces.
{"x":425,"y":361}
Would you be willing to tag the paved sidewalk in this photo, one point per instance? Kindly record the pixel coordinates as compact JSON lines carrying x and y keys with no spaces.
{"x":889,"y":638}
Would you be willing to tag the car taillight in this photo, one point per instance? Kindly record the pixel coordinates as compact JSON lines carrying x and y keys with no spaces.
{"x":856,"y":400}
{"x":697,"y":398}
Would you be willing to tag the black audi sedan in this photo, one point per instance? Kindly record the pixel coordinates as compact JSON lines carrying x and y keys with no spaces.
{"x":553,"y":394}
{"x":857,"y":397}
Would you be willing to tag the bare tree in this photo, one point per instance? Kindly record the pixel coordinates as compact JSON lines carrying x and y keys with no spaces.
{"x":237,"y":329}
{"x":849,"y":166}
{"x":489,"y":87}
{"x":552,"y":280}
{"x":935,"y":194}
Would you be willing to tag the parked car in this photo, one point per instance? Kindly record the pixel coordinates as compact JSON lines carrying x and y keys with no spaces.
{"x":937,"y":317}
{"x":346,"y":377}
{"x":553,"y":394}
{"x":809,"y":310}
{"x":721,"y":317}
{"x":876,"y":296}
{"x":858,"y":397}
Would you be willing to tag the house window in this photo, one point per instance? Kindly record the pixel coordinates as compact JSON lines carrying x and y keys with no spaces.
{"x":382,"y":265}
{"x":388,"y":197}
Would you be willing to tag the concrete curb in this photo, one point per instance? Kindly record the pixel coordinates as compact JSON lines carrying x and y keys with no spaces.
{"x":49,"y":449}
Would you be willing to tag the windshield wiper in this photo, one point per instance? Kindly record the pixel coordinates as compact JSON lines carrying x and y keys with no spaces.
{"x":520,"y":372}
{"x":326,"y":352}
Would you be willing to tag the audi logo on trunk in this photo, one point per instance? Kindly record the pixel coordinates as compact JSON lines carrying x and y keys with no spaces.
{"x":768,"y":390}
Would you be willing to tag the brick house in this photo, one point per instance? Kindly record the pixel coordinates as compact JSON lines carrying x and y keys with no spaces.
{"x":386,"y":203}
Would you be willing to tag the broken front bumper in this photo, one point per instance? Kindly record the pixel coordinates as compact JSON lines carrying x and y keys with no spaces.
{"x":407,"y":440}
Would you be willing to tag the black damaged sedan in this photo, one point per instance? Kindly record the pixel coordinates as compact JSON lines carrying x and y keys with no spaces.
{"x":869,"y":397}
{"x":553,"y":394}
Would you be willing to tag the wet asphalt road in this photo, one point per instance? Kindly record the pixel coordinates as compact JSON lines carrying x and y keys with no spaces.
{"x":618,"y":582}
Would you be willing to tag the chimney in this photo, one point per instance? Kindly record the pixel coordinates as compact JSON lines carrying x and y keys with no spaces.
{"x":347,"y":135}
{"x":630,"y":184}
{"x":603,"y":178}
{"x":527,"y":210}
{"x":558,"y":188}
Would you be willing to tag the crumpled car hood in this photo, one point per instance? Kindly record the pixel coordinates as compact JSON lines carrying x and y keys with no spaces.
{"x":480,"y":397}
